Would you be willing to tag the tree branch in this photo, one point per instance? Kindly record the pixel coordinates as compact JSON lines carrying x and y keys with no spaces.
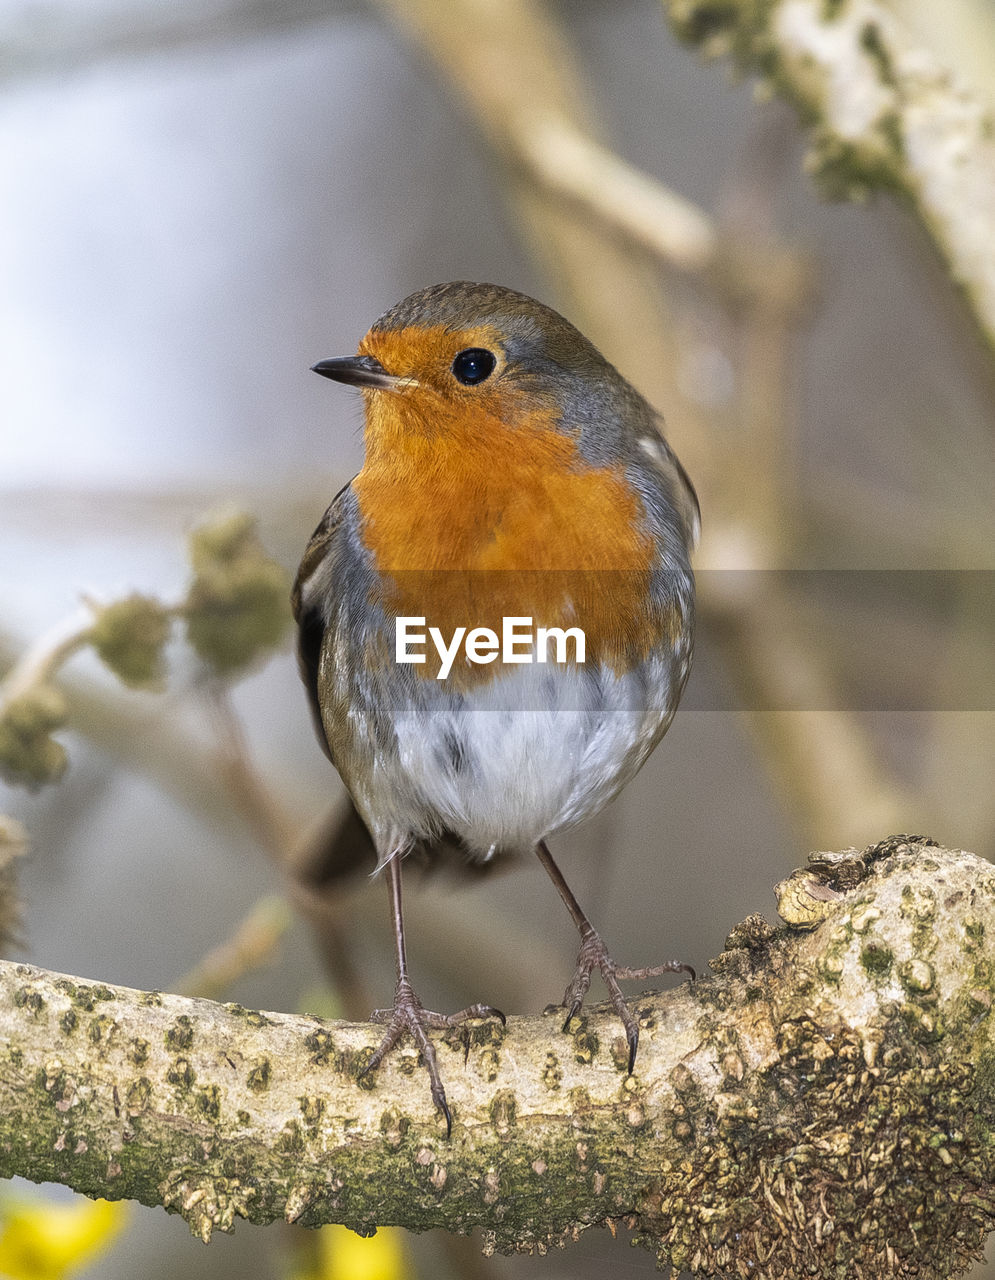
{"x":884,"y":113}
{"x":822,"y":1103}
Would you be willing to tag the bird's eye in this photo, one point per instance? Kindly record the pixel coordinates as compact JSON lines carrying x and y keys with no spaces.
{"x":473,"y":365}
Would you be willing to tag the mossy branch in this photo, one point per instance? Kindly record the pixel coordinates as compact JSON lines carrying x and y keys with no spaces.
{"x":821,"y":1105}
{"x":883,"y":112}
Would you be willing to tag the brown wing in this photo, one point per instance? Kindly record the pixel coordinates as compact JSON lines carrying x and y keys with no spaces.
{"x":308,"y":599}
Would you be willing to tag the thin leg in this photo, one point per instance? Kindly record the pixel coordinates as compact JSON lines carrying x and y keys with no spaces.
{"x":397,"y":915}
{"x":593,"y":953}
{"x":408,"y":1012}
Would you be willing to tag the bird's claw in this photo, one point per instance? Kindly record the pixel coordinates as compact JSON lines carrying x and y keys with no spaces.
{"x":593,"y":955}
{"x":408,"y":1014}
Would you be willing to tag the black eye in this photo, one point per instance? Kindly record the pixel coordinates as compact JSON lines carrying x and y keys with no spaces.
{"x":473,"y":365}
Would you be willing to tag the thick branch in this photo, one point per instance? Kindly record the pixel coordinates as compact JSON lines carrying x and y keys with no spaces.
{"x":885,"y":113}
{"x":824,"y":1101}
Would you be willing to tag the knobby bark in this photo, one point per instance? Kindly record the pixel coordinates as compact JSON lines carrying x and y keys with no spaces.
{"x":821,"y":1104}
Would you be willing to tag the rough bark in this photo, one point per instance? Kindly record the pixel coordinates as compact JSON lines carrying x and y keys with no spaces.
{"x":821,"y":1104}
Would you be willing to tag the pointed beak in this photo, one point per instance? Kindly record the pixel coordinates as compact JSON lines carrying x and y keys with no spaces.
{"x":359,"y":371}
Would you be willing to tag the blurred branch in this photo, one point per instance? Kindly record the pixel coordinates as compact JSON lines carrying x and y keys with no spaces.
{"x":523,"y":73}
{"x":822,"y":758}
{"x":40,"y":662}
{"x":13,"y":844}
{"x":252,"y":944}
{"x":31,"y":708}
{"x":235,"y":609}
{"x":759,"y":1130}
{"x":884,"y":113}
{"x":567,"y":162}
{"x":151,"y":742}
{"x":877,"y":532}
{"x":589,"y":216}
{"x":271,"y":821}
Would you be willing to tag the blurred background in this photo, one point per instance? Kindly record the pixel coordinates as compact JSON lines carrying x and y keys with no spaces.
{"x":199,"y":201}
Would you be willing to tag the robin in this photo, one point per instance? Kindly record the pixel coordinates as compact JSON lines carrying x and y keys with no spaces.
{"x":496,"y":615}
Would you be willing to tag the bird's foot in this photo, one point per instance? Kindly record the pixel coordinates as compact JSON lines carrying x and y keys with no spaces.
{"x":593,"y":955}
{"x":408,"y":1014}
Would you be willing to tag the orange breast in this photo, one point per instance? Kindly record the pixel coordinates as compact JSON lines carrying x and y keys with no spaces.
{"x":477,"y":507}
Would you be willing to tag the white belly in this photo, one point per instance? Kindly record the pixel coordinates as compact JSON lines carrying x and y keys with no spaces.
{"x":529,"y":754}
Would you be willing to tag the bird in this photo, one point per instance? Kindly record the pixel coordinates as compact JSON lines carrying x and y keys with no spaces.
{"x":510,"y":473}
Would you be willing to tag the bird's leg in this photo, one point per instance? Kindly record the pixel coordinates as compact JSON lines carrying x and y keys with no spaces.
{"x":409,"y":1014}
{"x":594,"y":954}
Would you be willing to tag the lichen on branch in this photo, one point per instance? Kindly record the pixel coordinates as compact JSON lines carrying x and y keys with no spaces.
{"x":883,"y":113}
{"x":821,"y":1104}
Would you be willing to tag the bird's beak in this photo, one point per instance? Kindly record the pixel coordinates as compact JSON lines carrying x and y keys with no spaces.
{"x":360,"y":371}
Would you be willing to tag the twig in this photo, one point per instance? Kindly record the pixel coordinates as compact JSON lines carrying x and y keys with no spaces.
{"x":252,"y":945}
{"x":270,"y":819}
{"x":39,"y":663}
{"x":568,"y":162}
